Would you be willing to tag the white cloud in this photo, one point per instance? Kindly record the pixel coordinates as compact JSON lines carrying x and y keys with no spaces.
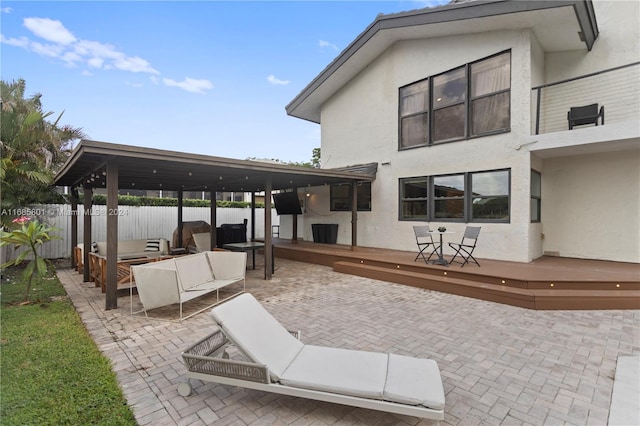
{"x":62,"y":45}
{"x":134,"y":64}
{"x":49,"y":30}
{"x":50,"y":50}
{"x":95,"y":62}
{"x":189,"y":84}
{"x":18,"y":42}
{"x":323,"y":44}
{"x":6,"y":10}
{"x":275,"y":81}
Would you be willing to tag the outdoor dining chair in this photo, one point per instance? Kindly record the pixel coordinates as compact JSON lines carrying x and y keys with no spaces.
{"x":588,"y":114}
{"x":424,"y":240}
{"x":466,"y":246}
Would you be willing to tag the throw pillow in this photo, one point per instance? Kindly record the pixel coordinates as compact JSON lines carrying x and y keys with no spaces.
{"x":152,"y":245}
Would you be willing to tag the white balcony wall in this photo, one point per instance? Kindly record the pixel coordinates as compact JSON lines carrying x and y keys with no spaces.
{"x":617,"y":90}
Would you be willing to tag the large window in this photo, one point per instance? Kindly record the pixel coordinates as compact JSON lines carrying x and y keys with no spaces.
{"x":341,"y":197}
{"x":490,"y":196}
{"x":448,"y":197}
{"x":414,"y":114}
{"x":414,"y":197}
{"x":464,"y":197}
{"x":536,"y":196}
{"x":468,"y":101}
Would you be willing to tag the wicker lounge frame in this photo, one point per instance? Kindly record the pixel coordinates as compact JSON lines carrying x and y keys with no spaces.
{"x":207,"y":360}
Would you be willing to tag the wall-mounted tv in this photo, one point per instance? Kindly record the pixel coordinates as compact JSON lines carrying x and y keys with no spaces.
{"x":287,"y":203}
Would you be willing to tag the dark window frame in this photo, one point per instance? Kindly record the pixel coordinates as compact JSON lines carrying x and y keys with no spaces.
{"x":468,"y":198}
{"x":347,"y":208}
{"x":467,"y":102}
{"x":536,"y":198}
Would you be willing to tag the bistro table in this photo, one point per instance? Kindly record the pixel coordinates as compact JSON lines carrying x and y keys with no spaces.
{"x":251,"y":246}
{"x":441,"y":260}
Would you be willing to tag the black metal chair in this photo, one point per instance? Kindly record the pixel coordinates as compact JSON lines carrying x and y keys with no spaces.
{"x":588,"y":114}
{"x":466,"y":246}
{"x":424,"y":240}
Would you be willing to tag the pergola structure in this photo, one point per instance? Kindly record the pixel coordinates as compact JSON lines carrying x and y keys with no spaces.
{"x":95,"y":164}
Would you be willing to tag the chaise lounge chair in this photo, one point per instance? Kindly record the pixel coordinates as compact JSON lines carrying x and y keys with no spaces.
{"x":278,"y":362}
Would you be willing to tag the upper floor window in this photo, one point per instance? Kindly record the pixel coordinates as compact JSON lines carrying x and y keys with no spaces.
{"x":465,"y":102}
{"x":341,"y":196}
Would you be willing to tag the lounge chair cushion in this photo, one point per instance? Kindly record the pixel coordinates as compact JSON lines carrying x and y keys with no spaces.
{"x":257,"y":334}
{"x":343,"y":371}
{"x":414,"y":381}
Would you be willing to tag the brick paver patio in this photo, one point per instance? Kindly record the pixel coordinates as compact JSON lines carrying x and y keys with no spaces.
{"x":500,"y":364}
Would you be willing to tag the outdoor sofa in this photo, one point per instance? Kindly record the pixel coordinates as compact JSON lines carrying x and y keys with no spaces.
{"x":180,"y":279}
{"x":279,"y":362}
{"x":127,"y":249}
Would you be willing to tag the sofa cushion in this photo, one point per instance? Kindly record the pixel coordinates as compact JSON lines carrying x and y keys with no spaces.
{"x":152,"y":245}
{"x":227,"y":265}
{"x":129,"y":249}
{"x":343,"y":371}
{"x":193,"y":271}
{"x":156,"y":283}
{"x":256,"y":333}
{"x":414,"y":381}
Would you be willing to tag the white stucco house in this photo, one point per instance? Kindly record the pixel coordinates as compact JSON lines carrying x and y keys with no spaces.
{"x":463,"y":108}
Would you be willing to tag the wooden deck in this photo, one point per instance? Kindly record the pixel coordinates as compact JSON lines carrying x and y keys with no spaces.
{"x":546,"y":283}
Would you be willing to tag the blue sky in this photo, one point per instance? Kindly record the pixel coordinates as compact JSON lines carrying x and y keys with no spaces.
{"x":207,"y":77}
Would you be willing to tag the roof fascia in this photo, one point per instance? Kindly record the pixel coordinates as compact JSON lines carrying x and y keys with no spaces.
{"x":110,"y":150}
{"x":448,"y":13}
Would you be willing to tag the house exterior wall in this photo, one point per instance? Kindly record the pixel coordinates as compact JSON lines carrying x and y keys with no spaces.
{"x":591,"y":203}
{"x":591,"y":206}
{"x":360,"y":125}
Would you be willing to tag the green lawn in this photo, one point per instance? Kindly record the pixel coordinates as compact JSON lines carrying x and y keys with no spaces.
{"x":51,"y":371}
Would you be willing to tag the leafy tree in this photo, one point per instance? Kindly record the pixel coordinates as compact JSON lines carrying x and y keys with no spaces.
{"x":32,"y":148}
{"x":315,"y":158}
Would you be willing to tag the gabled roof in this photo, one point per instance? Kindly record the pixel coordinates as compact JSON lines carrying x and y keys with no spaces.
{"x":150,"y":168}
{"x":559,"y":25}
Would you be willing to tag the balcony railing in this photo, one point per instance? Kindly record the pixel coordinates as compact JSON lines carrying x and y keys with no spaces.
{"x":618,"y":89}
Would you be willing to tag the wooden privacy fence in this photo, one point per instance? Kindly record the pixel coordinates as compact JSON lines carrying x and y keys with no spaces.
{"x":134,"y":222}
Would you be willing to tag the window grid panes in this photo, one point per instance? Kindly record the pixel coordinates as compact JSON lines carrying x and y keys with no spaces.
{"x":414,"y":117}
{"x":448,"y":195}
{"x":470,"y":197}
{"x":468,"y":101}
{"x":414,"y":196}
{"x":341,"y":197}
{"x":536,"y":196}
{"x":449,"y":94}
{"x":490,"y":195}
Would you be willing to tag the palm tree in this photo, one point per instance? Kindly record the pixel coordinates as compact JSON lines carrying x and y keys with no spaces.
{"x":32,"y":148}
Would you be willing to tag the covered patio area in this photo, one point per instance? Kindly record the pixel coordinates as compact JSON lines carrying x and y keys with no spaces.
{"x":95,"y":164}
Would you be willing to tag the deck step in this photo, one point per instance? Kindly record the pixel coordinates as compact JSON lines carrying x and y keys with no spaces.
{"x":462,"y":287}
{"x":522,"y":297}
